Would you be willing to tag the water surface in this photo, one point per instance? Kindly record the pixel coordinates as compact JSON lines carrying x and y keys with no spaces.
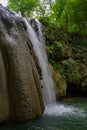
{"x":70,"y":115}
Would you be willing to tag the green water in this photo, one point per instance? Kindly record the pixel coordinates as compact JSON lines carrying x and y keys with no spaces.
{"x":71,"y":115}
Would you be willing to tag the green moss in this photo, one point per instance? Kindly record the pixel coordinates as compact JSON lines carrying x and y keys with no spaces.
{"x":60,"y":83}
{"x":58,"y":51}
{"x":61,"y":87}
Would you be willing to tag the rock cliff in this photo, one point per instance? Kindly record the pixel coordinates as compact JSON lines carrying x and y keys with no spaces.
{"x":20,"y":86}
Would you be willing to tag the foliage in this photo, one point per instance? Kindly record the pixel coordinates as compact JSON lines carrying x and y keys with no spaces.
{"x":71,"y":14}
{"x":25,"y":7}
{"x":71,"y":70}
{"x":43,"y":9}
{"x":58,"y":51}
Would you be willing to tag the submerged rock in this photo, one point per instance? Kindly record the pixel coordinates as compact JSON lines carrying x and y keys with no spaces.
{"x":20,"y":86}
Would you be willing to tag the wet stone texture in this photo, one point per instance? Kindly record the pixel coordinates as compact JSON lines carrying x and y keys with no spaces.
{"x":20,"y":85}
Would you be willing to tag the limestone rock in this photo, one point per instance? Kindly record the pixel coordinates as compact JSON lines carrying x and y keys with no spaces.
{"x":20,"y":87}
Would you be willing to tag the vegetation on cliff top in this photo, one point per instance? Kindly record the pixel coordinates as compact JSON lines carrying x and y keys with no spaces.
{"x":65,"y":25}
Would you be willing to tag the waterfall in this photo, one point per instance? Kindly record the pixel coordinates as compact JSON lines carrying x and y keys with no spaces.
{"x":36,"y":36}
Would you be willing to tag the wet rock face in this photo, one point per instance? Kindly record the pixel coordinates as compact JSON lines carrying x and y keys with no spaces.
{"x":20,"y":86}
{"x":38,"y":28}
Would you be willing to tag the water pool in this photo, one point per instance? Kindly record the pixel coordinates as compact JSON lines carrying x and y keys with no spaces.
{"x":70,"y":115}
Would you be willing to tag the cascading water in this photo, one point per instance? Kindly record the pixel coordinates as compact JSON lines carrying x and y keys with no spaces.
{"x":35,"y":35}
{"x":52,"y":107}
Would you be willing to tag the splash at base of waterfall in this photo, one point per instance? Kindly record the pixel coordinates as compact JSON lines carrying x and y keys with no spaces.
{"x":63,"y":110}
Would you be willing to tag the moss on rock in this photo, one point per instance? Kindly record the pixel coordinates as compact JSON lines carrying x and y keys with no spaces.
{"x":60,"y":83}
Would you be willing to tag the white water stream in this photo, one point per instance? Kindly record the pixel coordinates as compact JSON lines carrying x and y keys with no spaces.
{"x":39,"y":48}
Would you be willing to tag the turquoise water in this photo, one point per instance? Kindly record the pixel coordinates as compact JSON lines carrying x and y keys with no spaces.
{"x":70,"y":115}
